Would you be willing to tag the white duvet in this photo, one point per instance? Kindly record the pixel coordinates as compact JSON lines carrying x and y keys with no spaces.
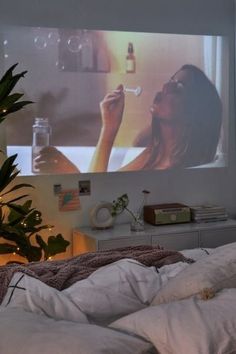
{"x":189,"y":326}
{"x":25,"y":332}
{"x":114,"y":310}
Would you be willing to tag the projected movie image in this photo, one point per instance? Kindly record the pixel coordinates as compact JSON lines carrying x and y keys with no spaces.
{"x":107,"y":101}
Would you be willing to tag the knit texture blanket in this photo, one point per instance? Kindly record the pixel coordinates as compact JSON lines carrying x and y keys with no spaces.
{"x":61,"y":274}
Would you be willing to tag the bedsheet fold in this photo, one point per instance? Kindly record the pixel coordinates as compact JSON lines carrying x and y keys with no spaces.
{"x":62,"y":274}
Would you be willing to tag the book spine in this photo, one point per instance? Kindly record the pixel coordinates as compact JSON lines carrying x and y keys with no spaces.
{"x":202,"y":215}
{"x":223,"y":218}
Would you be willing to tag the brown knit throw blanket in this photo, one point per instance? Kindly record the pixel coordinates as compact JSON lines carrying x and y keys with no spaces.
{"x":62,"y":274}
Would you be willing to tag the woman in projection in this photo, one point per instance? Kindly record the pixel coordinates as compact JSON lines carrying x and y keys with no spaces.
{"x":184,"y":130}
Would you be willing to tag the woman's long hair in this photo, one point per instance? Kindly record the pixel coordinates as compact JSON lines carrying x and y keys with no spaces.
{"x":201,"y":132}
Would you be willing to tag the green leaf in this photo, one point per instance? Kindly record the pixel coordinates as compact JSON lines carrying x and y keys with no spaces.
{"x":33,"y":218}
{"x":8,"y":83}
{"x":41,"y":242}
{"x":27,"y":205}
{"x":12,"y":201}
{"x":10,"y":103}
{"x":14,"y":222}
{"x":6,"y":248}
{"x":10,"y":179}
{"x":34,"y":254}
{"x":18,"y":186}
{"x":17,"y":211}
{"x":120,"y":204}
{"x":14,"y":108}
{"x":6,"y":172}
{"x":10,"y":100}
{"x":17,"y":208}
{"x":57,"y":244}
{"x":8,"y":73}
{"x":6,"y":228}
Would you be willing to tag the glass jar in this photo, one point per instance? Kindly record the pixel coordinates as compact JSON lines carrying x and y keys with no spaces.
{"x":137,"y":223}
{"x":41,"y":138}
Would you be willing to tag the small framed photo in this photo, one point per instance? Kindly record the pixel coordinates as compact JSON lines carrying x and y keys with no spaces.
{"x":69,"y":200}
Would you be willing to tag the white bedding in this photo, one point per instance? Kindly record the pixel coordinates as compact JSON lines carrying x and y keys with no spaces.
{"x":110,"y":311}
{"x":116,"y":290}
{"x":217,"y":271}
{"x":32,"y":295}
{"x":190,"y":326}
{"x":23,"y":332}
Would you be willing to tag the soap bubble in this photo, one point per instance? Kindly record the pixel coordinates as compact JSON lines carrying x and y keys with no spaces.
{"x":40,"y":42}
{"x":61,"y":66}
{"x":74,"y":44}
{"x":53,"y":38}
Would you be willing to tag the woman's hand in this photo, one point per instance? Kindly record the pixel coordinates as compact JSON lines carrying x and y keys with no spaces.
{"x":112,"y":108}
{"x":51,"y":160}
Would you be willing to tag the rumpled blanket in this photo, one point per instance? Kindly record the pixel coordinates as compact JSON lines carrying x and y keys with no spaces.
{"x":61,"y":274}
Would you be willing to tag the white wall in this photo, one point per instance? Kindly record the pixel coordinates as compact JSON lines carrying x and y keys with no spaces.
{"x":179,"y":16}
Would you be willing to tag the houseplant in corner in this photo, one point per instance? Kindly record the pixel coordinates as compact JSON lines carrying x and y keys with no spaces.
{"x":20,"y":223}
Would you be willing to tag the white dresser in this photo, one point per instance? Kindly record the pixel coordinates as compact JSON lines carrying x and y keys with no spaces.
{"x":178,"y":237}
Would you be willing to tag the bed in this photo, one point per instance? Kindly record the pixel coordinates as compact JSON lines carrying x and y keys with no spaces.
{"x":137,"y":300}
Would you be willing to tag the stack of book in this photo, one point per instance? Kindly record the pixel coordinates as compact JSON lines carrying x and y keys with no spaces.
{"x":208,"y":213}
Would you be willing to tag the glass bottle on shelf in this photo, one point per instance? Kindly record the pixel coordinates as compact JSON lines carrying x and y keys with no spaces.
{"x":41,"y":138}
{"x":130,"y":59}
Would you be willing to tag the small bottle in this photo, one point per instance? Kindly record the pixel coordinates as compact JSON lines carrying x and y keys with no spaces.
{"x":130,"y":59}
{"x":41,"y":138}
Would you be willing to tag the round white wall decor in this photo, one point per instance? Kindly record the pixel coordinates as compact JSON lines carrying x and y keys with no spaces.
{"x":100,"y":216}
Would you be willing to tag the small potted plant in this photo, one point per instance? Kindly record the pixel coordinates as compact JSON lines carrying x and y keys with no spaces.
{"x":121,"y":204}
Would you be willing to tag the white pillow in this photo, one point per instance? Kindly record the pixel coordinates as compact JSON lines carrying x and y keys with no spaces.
{"x":197,"y":253}
{"x":187,"y":326}
{"x":30,"y":333}
{"x":33,"y":295}
{"x":217,"y":271}
{"x":115,"y":290}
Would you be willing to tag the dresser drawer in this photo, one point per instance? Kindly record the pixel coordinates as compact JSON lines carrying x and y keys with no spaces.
{"x":216,"y":238}
{"x":124,"y":242}
{"x":177,"y":241}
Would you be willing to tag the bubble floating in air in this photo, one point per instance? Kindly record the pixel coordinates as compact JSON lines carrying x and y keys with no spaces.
{"x":74,"y":44}
{"x":40,"y":42}
{"x":53,"y":38}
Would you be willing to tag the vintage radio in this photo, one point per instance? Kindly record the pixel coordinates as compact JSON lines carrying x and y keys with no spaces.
{"x":162,"y":214}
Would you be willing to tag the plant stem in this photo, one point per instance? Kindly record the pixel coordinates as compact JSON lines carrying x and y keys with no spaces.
{"x":131,"y":213}
{"x":134,"y":216}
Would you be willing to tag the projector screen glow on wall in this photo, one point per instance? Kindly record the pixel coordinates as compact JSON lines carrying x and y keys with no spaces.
{"x":118,"y":101}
